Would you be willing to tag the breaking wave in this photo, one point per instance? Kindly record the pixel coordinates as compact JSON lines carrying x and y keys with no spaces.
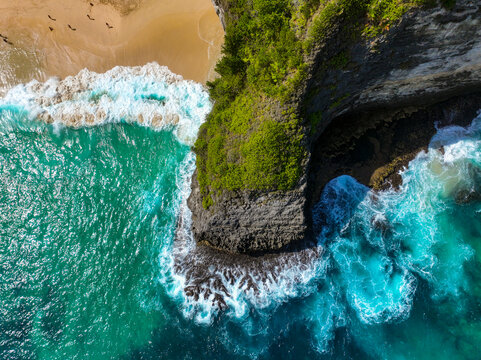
{"x":376,"y":253}
{"x":97,"y":259}
{"x":148,"y":95}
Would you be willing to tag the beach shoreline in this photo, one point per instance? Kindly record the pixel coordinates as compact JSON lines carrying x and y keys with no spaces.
{"x":185,"y":36}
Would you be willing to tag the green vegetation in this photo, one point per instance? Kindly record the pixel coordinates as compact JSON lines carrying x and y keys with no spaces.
{"x":314,"y":119}
{"x":382,"y":14}
{"x":247,"y":141}
{"x":339,"y":61}
{"x":345,"y":12}
{"x":253,"y":139}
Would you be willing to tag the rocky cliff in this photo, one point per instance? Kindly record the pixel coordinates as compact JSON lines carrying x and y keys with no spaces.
{"x":367,"y":105}
{"x":383,"y":105}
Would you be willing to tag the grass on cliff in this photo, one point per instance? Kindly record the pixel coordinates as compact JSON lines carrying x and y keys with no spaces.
{"x":253,"y":139}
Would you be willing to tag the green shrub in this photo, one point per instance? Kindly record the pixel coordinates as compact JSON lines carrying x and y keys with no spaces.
{"x":382,"y":14}
{"x":245,"y":143}
{"x":271,"y":156}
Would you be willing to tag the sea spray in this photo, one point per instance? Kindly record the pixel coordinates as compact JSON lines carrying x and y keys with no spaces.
{"x":148,"y":95}
{"x":97,"y":259}
{"x":376,"y":253}
{"x":87,"y":207}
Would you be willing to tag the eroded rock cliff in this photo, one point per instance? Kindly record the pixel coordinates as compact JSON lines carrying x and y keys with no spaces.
{"x":383,"y":105}
{"x":367,"y":107}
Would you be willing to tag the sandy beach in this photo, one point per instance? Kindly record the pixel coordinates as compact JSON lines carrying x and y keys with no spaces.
{"x":185,"y":35}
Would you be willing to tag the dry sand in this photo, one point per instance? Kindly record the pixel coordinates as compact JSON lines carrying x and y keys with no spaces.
{"x":185,"y":35}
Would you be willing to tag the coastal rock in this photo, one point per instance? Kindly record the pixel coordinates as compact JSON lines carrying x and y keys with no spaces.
{"x":378,"y":110}
{"x":219,"y":6}
{"x":249,"y":223}
{"x":384,"y":105}
{"x":216,"y":279}
{"x":431,"y":56}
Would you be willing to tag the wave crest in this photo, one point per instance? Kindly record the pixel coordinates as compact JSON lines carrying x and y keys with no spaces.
{"x":149,"y":95}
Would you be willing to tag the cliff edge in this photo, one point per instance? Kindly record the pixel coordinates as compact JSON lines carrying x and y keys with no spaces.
{"x":328,"y":88}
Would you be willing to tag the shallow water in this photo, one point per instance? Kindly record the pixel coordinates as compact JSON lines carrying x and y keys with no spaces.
{"x":89,"y":267}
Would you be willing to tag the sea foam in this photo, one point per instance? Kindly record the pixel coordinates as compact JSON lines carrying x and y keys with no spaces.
{"x":372,"y":251}
{"x":148,"y":95}
{"x":374,"y":256}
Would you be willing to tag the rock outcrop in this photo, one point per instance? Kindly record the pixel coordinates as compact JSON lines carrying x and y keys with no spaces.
{"x":383,"y":106}
{"x":377,"y":109}
{"x":431,"y":56}
{"x":219,"y":7}
{"x":249,"y":222}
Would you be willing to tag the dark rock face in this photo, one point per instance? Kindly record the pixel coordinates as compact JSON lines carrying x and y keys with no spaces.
{"x":394,"y":92}
{"x":215,"y":277}
{"x":377,"y":113}
{"x":374,"y":147}
{"x":250,"y":223}
{"x":431,"y":56}
{"x":219,"y":6}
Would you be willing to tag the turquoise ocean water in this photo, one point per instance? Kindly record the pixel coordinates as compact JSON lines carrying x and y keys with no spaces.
{"x":88,"y":215}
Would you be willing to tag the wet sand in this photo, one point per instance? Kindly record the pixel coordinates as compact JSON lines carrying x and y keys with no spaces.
{"x":185,"y":35}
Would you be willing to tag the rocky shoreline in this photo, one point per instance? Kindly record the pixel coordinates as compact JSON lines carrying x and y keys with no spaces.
{"x":376,"y":155}
{"x":379,"y":108}
{"x":211,"y":272}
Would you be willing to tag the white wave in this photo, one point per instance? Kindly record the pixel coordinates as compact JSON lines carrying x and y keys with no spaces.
{"x":205,"y":284}
{"x":148,"y":95}
{"x":372,"y":251}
